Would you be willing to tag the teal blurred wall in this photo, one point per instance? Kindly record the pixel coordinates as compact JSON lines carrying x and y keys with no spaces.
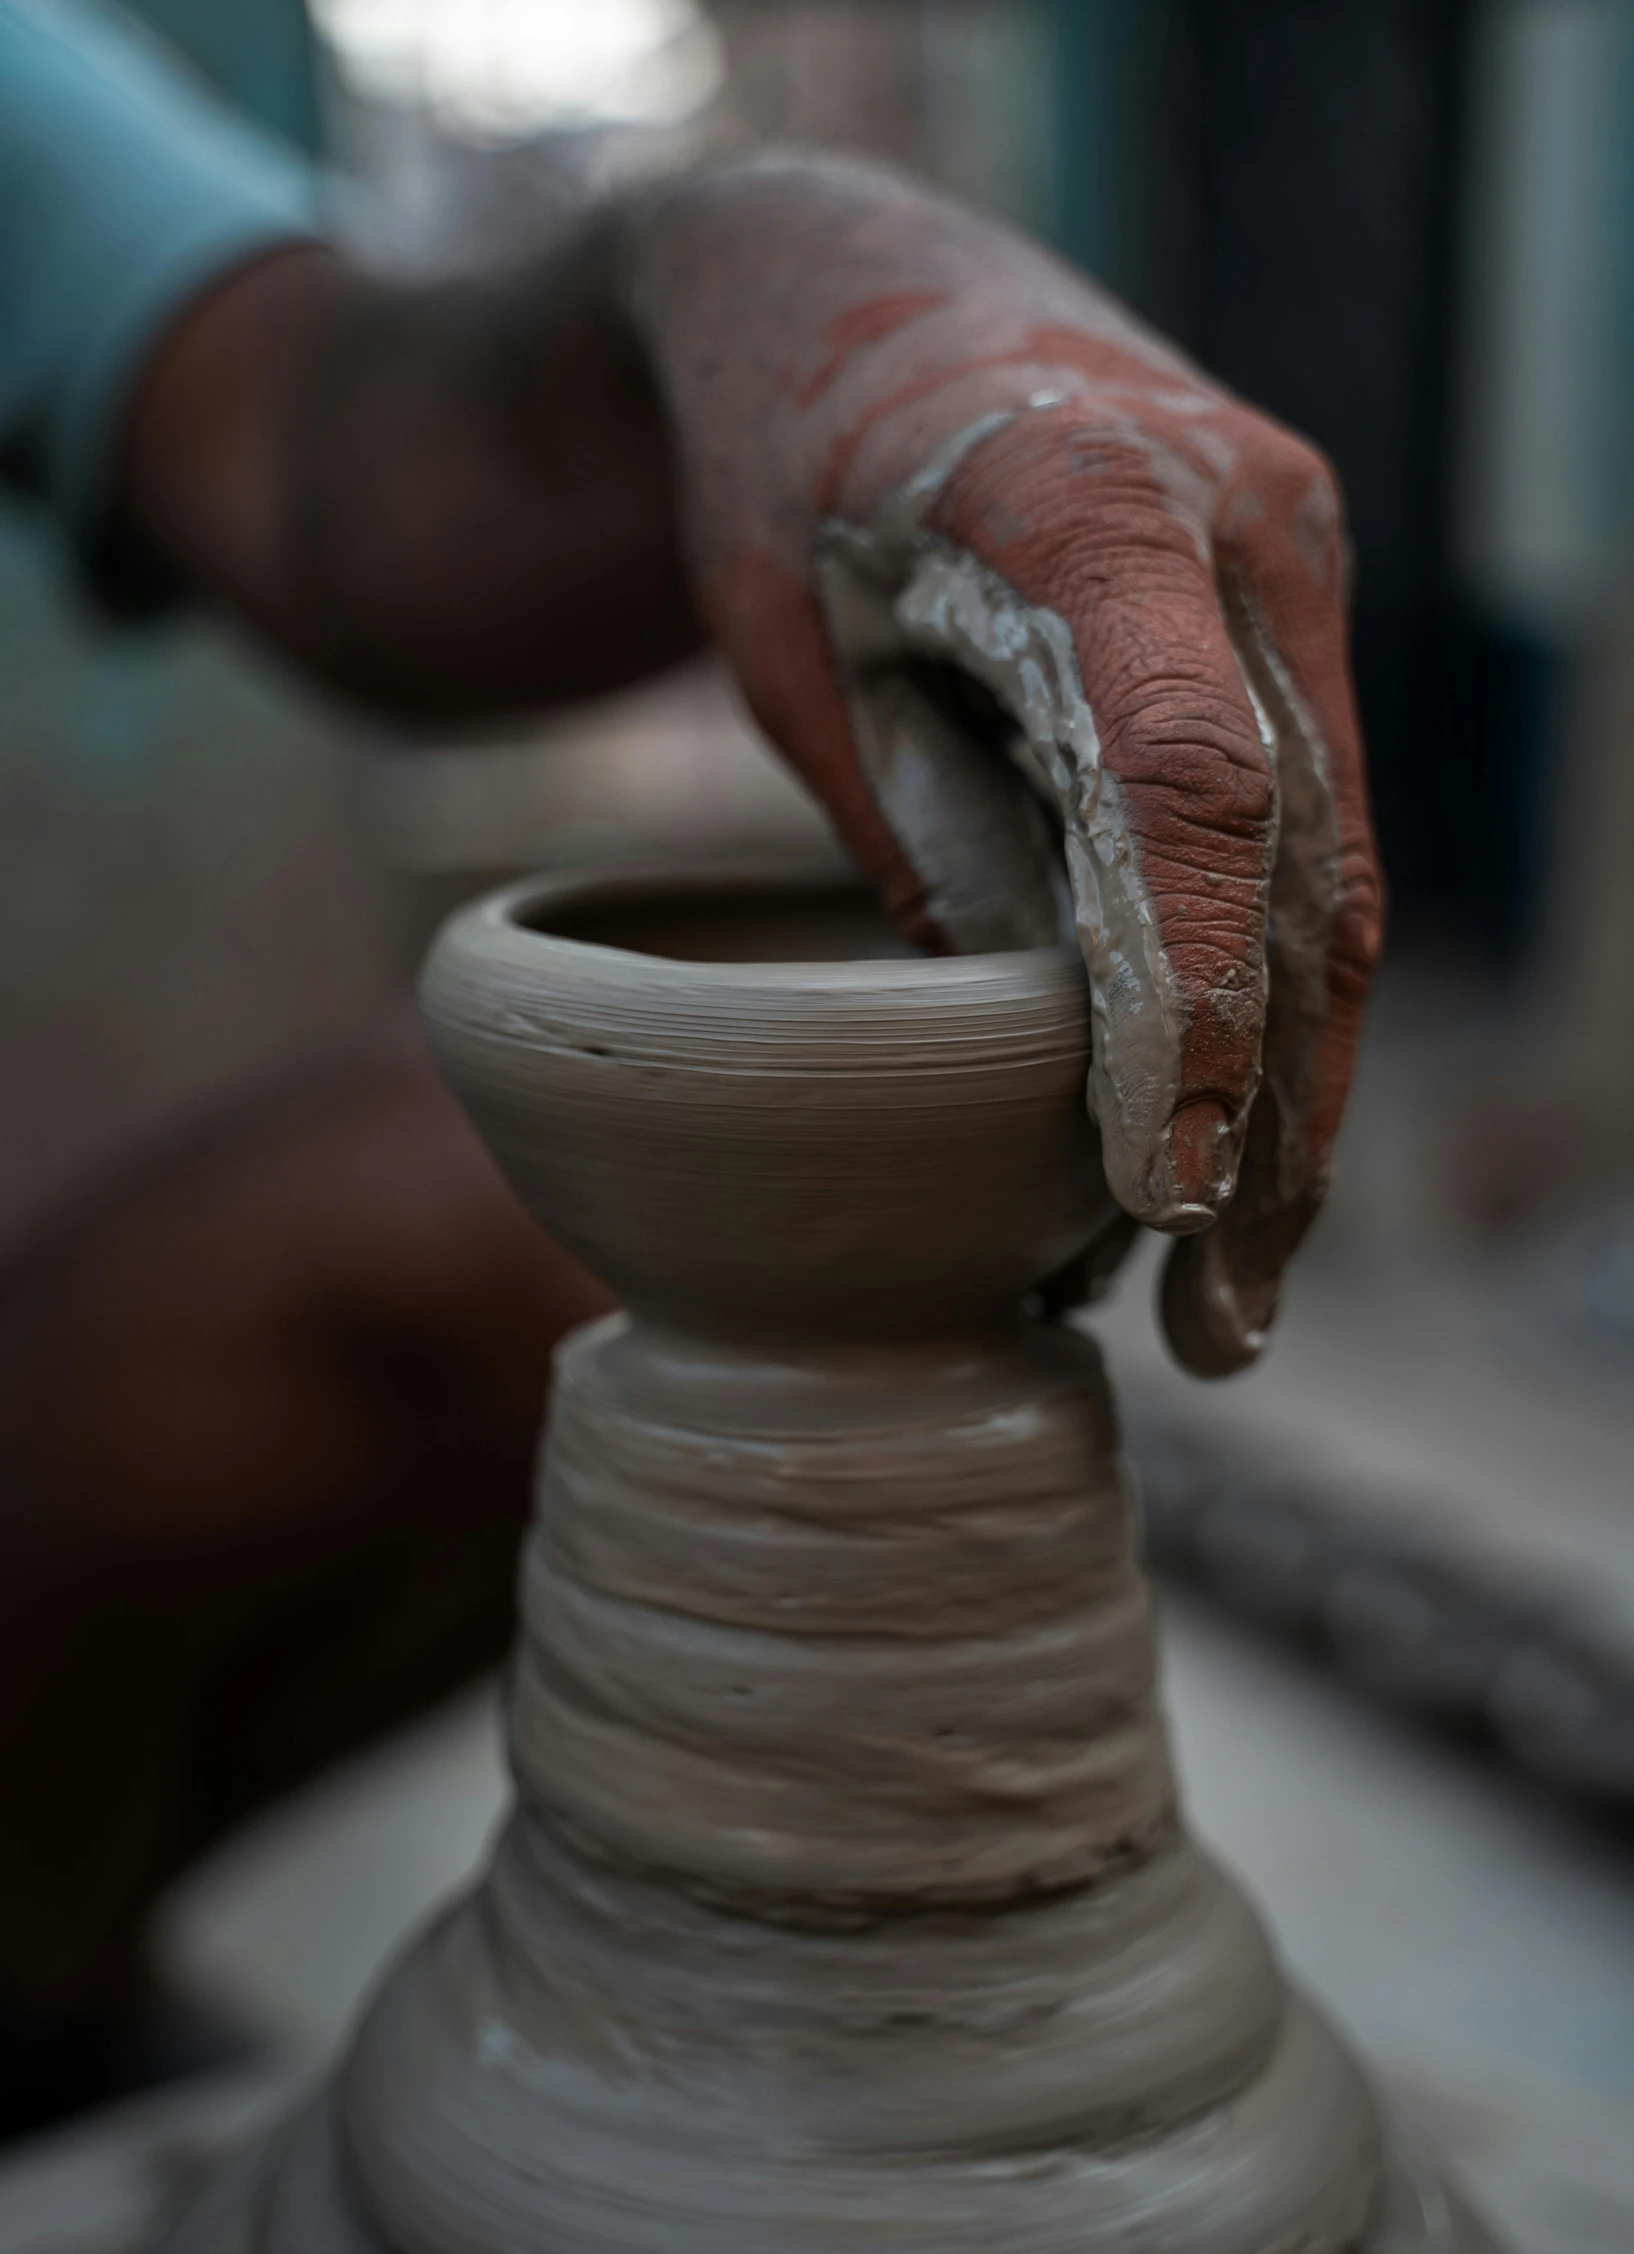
{"x":186,"y":900}
{"x":260,"y":53}
{"x":1105,"y":71}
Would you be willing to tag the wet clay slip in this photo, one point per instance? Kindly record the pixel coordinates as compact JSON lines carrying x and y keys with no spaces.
{"x":845,"y":1907}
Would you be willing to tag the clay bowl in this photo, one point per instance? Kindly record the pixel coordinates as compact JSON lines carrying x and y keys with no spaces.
{"x":752,"y":1111}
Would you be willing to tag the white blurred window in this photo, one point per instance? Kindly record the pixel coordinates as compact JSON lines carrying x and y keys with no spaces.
{"x":501,"y":70}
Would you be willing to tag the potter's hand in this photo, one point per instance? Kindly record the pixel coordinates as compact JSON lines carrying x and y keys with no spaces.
{"x":1000,"y":573}
{"x":1003,"y":575}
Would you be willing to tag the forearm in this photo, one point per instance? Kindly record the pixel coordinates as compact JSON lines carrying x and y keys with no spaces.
{"x":448,"y":501}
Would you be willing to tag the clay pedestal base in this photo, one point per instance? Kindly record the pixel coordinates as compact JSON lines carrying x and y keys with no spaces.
{"x":846,"y":1907}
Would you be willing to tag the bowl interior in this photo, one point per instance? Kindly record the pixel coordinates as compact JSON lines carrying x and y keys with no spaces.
{"x":750,"y":922}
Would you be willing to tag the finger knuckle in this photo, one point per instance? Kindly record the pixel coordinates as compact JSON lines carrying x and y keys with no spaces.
{"x":1298,"y":461}
{"x":1302,"y":488}
{"x":1358,"y":931}
{"x":1191,"y":732}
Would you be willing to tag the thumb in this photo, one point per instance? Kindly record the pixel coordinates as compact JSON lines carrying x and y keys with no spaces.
{"x":958,"y":847}
{"x":769,"y":626}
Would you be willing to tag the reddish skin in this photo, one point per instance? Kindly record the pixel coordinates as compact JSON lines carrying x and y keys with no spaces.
{"x":795,"y":694}
{"x":871,"y":323}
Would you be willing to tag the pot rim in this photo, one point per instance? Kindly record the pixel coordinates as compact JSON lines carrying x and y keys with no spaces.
{"x":498,"y":917}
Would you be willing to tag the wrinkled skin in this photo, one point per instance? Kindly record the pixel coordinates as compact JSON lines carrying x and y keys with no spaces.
{"x":909,"y":441}
{"x":1052,"y":626}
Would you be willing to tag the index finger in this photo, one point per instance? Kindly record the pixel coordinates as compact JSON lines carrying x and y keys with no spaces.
{"x":1092,"y":611}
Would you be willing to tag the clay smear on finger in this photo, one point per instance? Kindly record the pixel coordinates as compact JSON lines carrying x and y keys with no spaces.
{"x":1305,"y":872}
{"x":895,"y":589}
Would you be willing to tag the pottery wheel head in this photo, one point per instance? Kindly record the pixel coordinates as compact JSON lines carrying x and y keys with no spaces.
{"x":743,"y":1103}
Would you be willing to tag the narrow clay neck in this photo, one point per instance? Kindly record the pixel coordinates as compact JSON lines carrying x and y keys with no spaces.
{"x":876,"y":1659}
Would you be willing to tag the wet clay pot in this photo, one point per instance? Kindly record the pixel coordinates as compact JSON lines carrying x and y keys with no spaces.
{"x":845,"y":1907}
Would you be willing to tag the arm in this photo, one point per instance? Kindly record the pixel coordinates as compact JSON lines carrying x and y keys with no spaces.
{"x":447,"y":502}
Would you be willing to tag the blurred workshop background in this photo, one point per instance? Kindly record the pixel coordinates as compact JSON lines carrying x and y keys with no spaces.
{"x":1407,"y":227}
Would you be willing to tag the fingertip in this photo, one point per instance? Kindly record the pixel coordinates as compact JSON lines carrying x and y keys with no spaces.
{"x":1189,"y":1179}
{"x":1214,"y":1328}
{"x":1186,"y":1220}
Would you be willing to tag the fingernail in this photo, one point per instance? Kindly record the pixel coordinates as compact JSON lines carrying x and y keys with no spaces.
{"x":1200,"y":1160}
{"x":1184,"y":1220}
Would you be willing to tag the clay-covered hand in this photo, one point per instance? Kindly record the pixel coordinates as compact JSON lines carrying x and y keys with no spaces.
{"x":1002,"y":574}
{"x":1053,"y":626}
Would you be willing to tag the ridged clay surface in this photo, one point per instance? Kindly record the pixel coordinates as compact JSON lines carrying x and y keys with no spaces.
{"x":845,"y":1906}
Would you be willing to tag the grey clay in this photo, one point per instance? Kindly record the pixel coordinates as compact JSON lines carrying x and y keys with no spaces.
{"x":845,"y":1906}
